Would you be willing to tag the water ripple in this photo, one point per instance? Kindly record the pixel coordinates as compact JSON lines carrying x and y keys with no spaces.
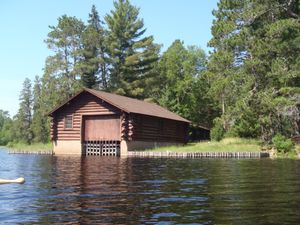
{"x":105,"y":190}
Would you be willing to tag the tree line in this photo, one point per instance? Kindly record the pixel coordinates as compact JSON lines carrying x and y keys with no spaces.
{"x":248,"y":85}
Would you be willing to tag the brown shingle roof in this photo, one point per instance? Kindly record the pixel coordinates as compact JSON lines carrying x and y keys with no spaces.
{"x":131,"y":105}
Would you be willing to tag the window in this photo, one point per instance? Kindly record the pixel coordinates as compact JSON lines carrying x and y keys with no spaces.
{"x":69,"y":122}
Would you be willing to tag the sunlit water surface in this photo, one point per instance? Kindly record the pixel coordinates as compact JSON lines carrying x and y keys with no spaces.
{"x":102,"y":190}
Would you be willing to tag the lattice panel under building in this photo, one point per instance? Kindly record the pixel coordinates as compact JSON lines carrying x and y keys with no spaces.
{"x":102,"y":148}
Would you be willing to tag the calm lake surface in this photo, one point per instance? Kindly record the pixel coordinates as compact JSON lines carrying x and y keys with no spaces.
{"x":102,"y":190}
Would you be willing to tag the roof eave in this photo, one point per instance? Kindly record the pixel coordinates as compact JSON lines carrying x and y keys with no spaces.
{"x":181,"y":120}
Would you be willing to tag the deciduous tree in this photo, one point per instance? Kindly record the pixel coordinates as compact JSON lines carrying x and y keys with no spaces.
{"x":181,"y":85}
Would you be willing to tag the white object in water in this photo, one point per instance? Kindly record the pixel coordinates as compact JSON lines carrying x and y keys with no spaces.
{"x":19,"y":180}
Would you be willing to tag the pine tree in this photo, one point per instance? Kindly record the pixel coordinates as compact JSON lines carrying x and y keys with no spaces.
{"x":39,"y":119}
{"x":24,"y":115}
{"x":94,"y":54}
{"x":132,"y":55}
{"x":50,"y":96}
{"x":36,"y":93}
{"x":65,"y":40}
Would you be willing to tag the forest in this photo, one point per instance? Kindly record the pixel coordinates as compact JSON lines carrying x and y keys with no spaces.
{"x":247,"y":86}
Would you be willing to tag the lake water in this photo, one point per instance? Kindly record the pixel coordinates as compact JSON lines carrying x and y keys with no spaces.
{"x":102,"y":190}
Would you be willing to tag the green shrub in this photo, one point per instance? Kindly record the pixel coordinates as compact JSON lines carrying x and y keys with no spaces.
{"x":247,"y":126}
{"x":217,"y":132}
{"x":281,"y":143}
{"x":231,"y":133}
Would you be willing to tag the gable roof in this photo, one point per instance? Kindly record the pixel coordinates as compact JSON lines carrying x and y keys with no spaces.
{"x":129,"y":105}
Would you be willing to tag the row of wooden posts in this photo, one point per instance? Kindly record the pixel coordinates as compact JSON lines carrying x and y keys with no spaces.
{"x":30,"y":152}
{"x":173,"y":154}
{"x":199,"y":154}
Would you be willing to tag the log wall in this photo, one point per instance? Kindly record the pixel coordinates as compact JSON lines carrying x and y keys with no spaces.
{"x":148,"y":128}
{"x":84,"y":104}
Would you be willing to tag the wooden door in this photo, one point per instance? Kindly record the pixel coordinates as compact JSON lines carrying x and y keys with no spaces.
{"x":98,"y":128}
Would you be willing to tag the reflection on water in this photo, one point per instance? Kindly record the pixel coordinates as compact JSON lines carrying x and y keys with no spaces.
{"x":103,"y":190}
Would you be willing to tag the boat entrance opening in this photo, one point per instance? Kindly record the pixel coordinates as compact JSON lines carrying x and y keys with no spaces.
{"x":102,"y":148}
{"x":101,"y":135}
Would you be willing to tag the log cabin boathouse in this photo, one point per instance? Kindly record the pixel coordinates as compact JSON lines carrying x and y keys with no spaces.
{"x":100,"y":123}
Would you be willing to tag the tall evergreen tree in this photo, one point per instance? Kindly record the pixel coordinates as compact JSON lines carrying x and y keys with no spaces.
{"x":50,"y":96}
{"x":65,"y":40}
{"x":39,"y":118}
{"x":51,"y":93}
{"x":36,"y":93}
{"x":3,"y":116}
{"x":94,"y":54}
{"x":24,"y":115}
{"x":132,"y":55}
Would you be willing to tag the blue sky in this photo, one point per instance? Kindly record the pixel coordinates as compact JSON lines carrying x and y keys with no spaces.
{"x":24,"y":27}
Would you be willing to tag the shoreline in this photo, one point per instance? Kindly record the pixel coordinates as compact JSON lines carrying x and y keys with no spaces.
{"x":227,"y":148}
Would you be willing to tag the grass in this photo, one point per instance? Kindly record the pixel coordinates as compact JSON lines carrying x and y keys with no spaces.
{"x":226,"y":145}
{"x":292,"y":154}
{"x":31,"y":147}
{"x":289,"y":155}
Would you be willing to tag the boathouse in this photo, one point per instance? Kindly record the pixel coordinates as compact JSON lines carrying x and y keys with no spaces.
{"x":100,"y":123}
{"x":199,"y":133}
